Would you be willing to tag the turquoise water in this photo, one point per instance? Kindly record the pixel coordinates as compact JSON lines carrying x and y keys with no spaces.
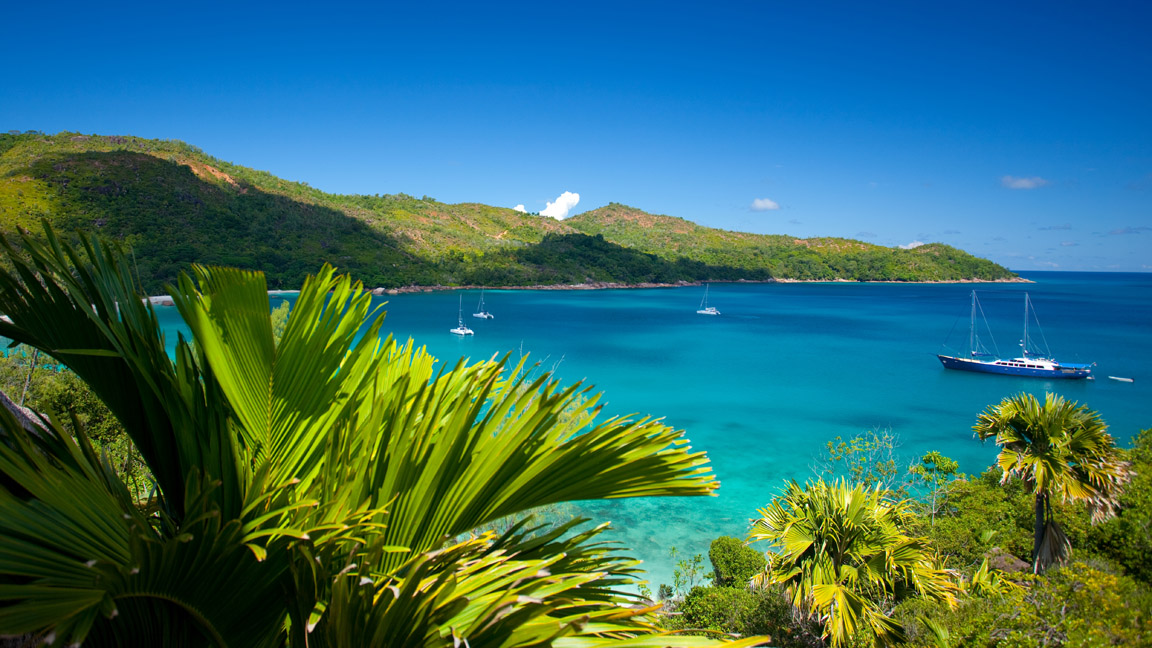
{"x":788,"y":367}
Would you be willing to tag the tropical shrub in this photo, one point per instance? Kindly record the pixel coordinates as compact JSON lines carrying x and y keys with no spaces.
{"x":741,"y":611}
{"x":1076,"y":605}
{"x":931,"y":474}
{"x":978,"y":514}
{"x":869,"y":458}
{"x":843,"y":555}
{"x":733,"y":562}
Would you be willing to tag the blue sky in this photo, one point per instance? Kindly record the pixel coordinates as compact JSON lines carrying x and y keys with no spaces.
{"x":1018,"y":131}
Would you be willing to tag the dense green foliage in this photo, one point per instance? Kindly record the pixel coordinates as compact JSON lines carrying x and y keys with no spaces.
{"x":746,"y":612}
{"x":1077,"y":605}
{"x":1126,"y":540}
{"x":982,"y":530}
{"x":823,"y":259}
{"x":733,"y":562}
{"x":176,"y":206}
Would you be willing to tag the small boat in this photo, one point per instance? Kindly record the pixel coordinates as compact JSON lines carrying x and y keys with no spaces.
{"x":460,"y":328}
{"x":1120,"y":379}
{"x":1030,"y":364}
{"x":480,"y":312}
{"x":705,"y":309}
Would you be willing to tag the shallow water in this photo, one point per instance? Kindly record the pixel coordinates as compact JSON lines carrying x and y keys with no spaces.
{"x":788,"y":367}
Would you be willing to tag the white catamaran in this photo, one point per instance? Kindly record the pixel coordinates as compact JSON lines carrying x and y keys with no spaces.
{"x":460,"y":328}
{"x":705,"y":309}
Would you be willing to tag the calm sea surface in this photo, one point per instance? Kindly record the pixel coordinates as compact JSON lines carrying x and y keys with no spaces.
{"x":788,"y":367}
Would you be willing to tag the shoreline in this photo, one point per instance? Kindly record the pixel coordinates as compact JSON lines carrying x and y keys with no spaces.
{"x":610,"y":285}
{"x":166,"y":300}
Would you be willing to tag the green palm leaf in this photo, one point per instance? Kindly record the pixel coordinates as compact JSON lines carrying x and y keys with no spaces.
{"x":309,"y":488}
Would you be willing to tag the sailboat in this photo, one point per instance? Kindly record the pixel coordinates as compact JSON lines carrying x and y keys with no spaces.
{"x":480,"y":312}
{"x":1030,"y":363}
{"x":460,"y":328}
{"x":705,"y":309}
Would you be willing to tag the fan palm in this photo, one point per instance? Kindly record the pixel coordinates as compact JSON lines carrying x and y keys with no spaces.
{"x":841,"y":553}
{"x":312,"y":492}
{"x":1060,"y":449}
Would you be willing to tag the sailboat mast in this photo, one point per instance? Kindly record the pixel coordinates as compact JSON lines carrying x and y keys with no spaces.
{"x":1024,"y":342}
{"x":972,"y":328}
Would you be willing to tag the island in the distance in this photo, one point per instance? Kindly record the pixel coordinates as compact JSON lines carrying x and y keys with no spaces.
{"x":173,"y":205}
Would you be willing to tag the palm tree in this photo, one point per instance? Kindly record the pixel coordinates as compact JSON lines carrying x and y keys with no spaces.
{"x":1060,"y":449}
{"x":841,"y":553}
{"x":319,"y":491}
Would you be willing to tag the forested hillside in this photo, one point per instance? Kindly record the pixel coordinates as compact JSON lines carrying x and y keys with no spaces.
{"x":173,"y":205}
{"x":780,"y":256}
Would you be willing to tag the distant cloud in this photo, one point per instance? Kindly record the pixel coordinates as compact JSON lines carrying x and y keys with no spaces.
{"x":1012,"y":182}
{"x":520,"y":208}
{"x":1050,"y":264}
{"x":865,"y":235}
{"x":1143,"y":184}
{"x":1069,"y":243}
{"x":1130,"y":230}
{"x":564,"y":204}
{"x":1065,"y":226}
{"x":794,"y":222}
{"x":951,"y":231}
{"x":764,"y":204}
{"x":913,"y":244}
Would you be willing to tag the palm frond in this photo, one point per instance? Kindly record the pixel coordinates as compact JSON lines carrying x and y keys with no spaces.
{"x":82,"y":307}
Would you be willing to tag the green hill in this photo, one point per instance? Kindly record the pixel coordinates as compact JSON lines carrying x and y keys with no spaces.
{"x":173,"y":205}
{"x":783,"y":257}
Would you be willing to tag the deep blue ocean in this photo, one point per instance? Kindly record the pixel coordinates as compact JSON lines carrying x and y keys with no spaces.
{"x":790,"y":366}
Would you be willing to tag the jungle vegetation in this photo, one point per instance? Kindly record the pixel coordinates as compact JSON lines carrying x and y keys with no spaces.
{"x":941,"y":559}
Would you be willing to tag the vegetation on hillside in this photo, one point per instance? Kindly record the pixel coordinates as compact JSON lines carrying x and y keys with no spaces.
{"x":175,"y":206}
{"x":784,"y":257}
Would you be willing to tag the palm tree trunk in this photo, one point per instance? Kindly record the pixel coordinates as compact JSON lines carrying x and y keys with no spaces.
{"x":1038,"y":529}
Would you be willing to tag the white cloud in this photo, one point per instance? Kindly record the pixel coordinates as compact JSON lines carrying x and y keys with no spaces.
{"x":1069,"y":243}
{"x":520,"y":208}
{"x":913,"y":244}
{"x":1012,"y":182}
{"x":764,"y":204}
{"x":564,"y":204}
